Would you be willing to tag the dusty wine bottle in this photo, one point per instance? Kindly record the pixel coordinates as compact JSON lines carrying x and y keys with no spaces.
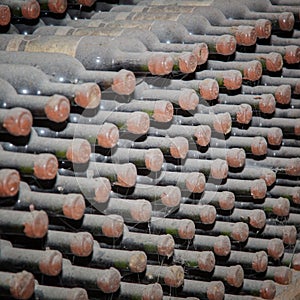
{"x":68,"y":69}
{"x":17,"y":285}
{"x":47,"y":262}
{"x":70,"y":205}
{"x":157,"y":63}
{"x":43,"y":166}
{"x":55,"y":108}
{"x":30,"y":80}
{"x":105,"y":135}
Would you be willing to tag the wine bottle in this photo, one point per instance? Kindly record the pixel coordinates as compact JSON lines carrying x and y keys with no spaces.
{"x":55,"y":108}
{"x":123,"y":260}
{"x":119,"y":174}
{"x":238,"y":231}
{"x":203,"y":260}
{"x":47,"y":262}
{"x":186,"y":62}
{"x":29,"y":9}
{"x":43,"y":166}
{"x":183,"y":229}
{"x":217,"y":44}
{"x":205,"y":214}
{"x":286,"y":233}
{"x":219,"y":122}
{"x":75,"y":243}
{"x":176,"y":147}
{"x":16,"y":121}
{"x":95,"y":190}
{"x":160,"y":110}
{"x":132,"y":211}
{"x":157,"y":63}
{"x":17,"y":285}
{"x":150,"y":159}
{"x":220,"y":245}
{"x":150,"y":243}
{"x":111,"y":226}
{"x":186,"y":99}
{"x":33,"y":224}
{"x":134,"y":122}
{"x":30,"y":80}
{"x":105,"y":135}
{"x":256,"y":189}
{"x":70,"y":205}
{"x":193,"y":22}
{"x":68,"y":69}
{"x":106,"y":280}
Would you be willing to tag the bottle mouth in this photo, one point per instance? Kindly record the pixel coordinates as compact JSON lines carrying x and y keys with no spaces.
{"x":232,"y":79}
{"x":18,"y":121}
{"x":108,"y":135}
{"x":283,"y":94}
{"x":124,"y":82}
{"x":253,"y":70}
{"x":274,"y":62}
{"x":263,"y":28}
{"x":286,"y":21}
{"x":57,"y":109}
{"x":160,"y":64}
{"x":209,"y":89}
{"x":9,"y":182}
{"x":245,"y":35}
{"x":45,"y":166}
{"x":188,"y":99}
{"x":226,"y":45}
{"x":267,"y":104}
{"x":5,"y":15}
{"x":57,"y":6}
{"x":292,"y":54}
{"x":31,"y":9}
{"x":163,"y":111}
{"x":244,"y":114}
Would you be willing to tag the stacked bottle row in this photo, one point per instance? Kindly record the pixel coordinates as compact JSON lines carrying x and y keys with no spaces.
{"x":152,"y":186}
